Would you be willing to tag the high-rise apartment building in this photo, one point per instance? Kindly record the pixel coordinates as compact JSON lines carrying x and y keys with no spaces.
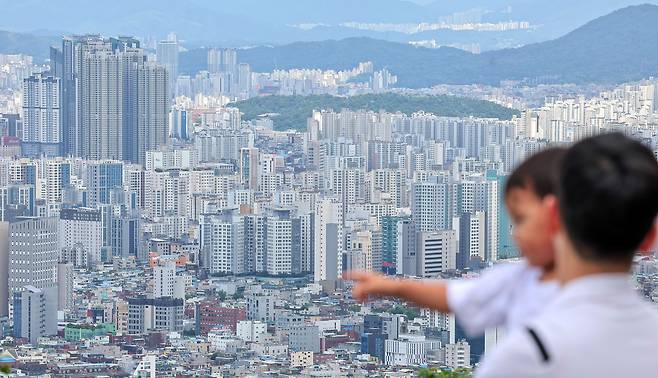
{"x":244,"y":80}
{"x":101,"y":96}
{"x":328,"y":261}
{"x":33,"y":312}
{"x":159,"y":314}
{"x":429,"y":204}
{"x":102,"y":178}
{"x":222,"y":242}
{"x":4,"y":271}
{"x":114,"y":105}
{"x":249,"y":173}
{"x":153,"y":112}
{"x":472,"y":236}
{"x":42,"y":127}
{"x":33,"y":254}
{"x":215,"y":60}
{"x":65,"y":274}
{"x":54,"y":176}
{"x":167,"y":56}
{"x":279,"y":242}
{"x":84,"y":227}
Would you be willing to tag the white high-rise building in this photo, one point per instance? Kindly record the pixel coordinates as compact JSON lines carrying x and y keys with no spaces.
{"x":171,"y":158}
{"x":279,"y":245}
{"x":392,"y":182}
{"x":348,"y":185}
{"x":249,"y":172}
{"x":33,"y":254}
{"x":4,"y":273}
{"x":458,"y":355}
{"x":153,"y":110}
{"x":214,"y":60}
{"x":251,"y":331}
{"x":82,"y":226}
{"x":429,"y":204}
{"x":436,"y":253}
{"x":222,"y":242}
{"x":164,"y":279}
{"x":167,"y":56}
{"x":34,"y":310}
{"x":409,"y":350}
{"x":244,"y":80}
{"x":101,"y":98}
{"x":306,"y":243}
{"x":486,"y":199}
{"x":65,"y":274}
{"x":268,"y":180}
{"x":328,"y":240}
{"x":55,"y":174}
{"x":133,"y":181}
{"x":167,"y":193}
{"x":480,"y":194}
{"x":146,"y":367}
{"x":41,"y":115}
{"x":360,"y":251}
{"x":477,"y":233}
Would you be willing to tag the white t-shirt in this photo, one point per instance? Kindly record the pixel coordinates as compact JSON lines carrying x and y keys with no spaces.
{"x":508,"y":294}
{"x":597,"y":326}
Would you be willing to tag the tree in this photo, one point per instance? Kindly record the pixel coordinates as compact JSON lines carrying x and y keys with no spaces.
{"x":355,"y":308}
{"x":436,"y":373}
{"x":292,"y":111}
{"x":239,"y":293}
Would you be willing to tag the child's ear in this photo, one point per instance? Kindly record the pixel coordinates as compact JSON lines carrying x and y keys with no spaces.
{"x":649,"y":240}
{"x":552,"y":206}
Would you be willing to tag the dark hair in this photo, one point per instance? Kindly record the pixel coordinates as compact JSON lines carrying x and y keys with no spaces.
{"x":608,"y":196}
{"x":540,"y":172}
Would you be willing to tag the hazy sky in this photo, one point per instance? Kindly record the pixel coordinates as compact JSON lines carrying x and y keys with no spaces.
{"x":251,"y":22}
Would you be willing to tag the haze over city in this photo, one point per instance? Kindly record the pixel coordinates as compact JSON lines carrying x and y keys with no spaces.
{"x":184,"y":184}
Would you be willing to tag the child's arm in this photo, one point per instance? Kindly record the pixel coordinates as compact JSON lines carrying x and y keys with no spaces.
{"x":427,"y":294}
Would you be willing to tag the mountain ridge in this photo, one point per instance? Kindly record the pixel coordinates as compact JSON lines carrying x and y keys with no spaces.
{"x":205,"y":22}
{"x":581,"y":56}
{"x":584,"y":55}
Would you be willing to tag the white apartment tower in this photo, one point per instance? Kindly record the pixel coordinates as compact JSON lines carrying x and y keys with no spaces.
{"x":222,"y":242}
{"x":328,"y":240}
{"x":42,"y":127}
{"x":279,"y":245}
{"x":436,"y":253}
{"x":429,"y":204}
{"x":81,"y":226}
{"x":33,"y":254}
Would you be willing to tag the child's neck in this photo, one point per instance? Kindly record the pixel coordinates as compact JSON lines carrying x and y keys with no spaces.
{"x":549,"y":273}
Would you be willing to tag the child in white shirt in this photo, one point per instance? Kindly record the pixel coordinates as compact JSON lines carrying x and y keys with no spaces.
{"x":508,"y":294}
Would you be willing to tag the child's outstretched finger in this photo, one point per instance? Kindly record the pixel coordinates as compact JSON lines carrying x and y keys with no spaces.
{"x":355,"y":275}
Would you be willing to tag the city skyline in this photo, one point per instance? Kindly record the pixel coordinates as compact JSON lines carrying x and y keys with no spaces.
{"x":171,"y":210}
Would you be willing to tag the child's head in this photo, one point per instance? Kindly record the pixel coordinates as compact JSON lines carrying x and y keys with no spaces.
{"x":526,"y":193}
{"x":608,"y":198}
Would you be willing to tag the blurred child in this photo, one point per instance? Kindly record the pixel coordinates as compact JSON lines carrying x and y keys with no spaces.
{"x":508,"y":294}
